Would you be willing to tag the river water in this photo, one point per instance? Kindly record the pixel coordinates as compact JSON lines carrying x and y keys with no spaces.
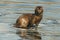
{"x":49,"y":28}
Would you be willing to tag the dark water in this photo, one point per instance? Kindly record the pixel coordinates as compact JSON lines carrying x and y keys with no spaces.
{"x":49,"y":28}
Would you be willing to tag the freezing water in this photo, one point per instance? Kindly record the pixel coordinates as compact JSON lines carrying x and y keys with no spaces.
{"x":50,"y":24}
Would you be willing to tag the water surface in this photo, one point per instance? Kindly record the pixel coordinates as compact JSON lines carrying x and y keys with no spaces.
{"x":49,"y":24}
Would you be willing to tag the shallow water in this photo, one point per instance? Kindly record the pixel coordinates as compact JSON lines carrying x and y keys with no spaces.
{"x":50,"y":24}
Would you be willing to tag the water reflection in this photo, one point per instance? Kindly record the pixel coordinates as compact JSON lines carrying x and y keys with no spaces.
{"x":26,"y":34}
{"x":47,"y":0}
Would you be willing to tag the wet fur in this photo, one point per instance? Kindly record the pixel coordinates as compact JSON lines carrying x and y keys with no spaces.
{"x":30,"y":19}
